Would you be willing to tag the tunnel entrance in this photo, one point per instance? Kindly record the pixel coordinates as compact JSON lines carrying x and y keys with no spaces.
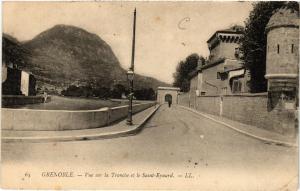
{"x":168,"y":97}
{"x":167,"y":93}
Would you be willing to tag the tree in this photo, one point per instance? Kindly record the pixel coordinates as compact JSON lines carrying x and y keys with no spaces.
{"x":183,"y":69}
{"x":75,"y":91}
{"x":13,"y":51}
{"x":117,"y":91}
{"x":253,"y":44}
{"x":144,"y":94}
{"x":72,"y":91}
{"x":101,"y":92}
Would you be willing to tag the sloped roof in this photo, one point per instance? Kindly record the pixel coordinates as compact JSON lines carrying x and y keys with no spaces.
{"x":283,"y":17}
{"x":168,"y":88}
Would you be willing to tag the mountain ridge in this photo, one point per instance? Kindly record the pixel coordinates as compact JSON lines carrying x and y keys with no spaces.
{"x":65,"y":55}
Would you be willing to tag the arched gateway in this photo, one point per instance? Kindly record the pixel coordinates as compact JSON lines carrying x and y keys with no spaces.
{"x":168,"y":97}
{"x":166,"y":93}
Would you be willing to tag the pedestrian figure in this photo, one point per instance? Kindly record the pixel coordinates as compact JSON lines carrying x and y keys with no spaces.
{"x":45,"y":96}
{"x":170,"y":103}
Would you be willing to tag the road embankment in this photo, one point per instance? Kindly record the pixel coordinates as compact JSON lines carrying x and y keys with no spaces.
{"x":54,"y":120}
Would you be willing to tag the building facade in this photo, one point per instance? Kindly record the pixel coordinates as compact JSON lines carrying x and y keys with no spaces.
{"x":16,"y":81}
{"x":165,"y":94}
{"x":224,"y":72}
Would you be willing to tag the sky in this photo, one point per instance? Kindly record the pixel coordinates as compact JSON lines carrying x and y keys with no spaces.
{"x":166,"y":32}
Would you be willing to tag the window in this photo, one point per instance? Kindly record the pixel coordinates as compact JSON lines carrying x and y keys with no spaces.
{"x":236,"y":86}
{"x":292,"y":48}
{"x":236,"y":52}
{"x":277,"y":48}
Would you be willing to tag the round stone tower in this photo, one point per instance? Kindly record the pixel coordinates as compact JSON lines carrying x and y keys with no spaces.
{"x":283,"y":53}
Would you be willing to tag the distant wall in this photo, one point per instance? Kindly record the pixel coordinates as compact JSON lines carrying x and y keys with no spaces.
{"x":250,"y":109}
{"x":50,"y":120}
{"x":162,"y":93}
{"x":209,"y":104}
{"x":183,"y":99}
{"x":10,"y":100}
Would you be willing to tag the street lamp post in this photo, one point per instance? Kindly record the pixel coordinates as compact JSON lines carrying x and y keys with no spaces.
{"x":130,"y":73}
{"x":130,"y":76}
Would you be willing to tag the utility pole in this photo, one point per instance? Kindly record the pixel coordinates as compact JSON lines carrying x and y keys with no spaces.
{"x":133,"y":40}
{"x":130,"y":73}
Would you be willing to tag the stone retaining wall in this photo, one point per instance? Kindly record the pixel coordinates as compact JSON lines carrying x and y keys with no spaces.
{"x":50,"y":120}
{"x":208,"y":104}
{"x":250,"y":109}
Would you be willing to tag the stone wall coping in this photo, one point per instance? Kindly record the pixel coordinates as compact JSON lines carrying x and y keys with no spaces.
{"x":22,"y":96}
{"x":239,"y":95}
{"x":288,"y":76}
{"x":104,"y":109}
{"x":210,"y":96}
{"x":134,"y":101}
{"x":169,"y":88}
{"x":134,"y":104}
{"x":263,"y":94}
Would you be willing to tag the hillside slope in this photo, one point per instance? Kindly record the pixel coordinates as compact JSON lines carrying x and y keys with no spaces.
{"x":65,"y":55}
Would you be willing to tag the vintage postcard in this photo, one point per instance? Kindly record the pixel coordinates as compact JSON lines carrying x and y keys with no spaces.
{"x":150,"y":95}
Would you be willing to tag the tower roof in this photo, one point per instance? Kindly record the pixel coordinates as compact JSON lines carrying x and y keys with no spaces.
{"x":226,"y":31}
{"x":283,"y":17}
{"x":231,"y":34}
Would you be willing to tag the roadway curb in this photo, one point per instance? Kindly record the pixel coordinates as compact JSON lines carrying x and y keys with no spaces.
{"x":135,"y":130}
{"x":241,"y":131}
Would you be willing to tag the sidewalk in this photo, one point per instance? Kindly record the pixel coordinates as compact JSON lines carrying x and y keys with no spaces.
{"x":117,"y":129}
{"x":249,"y":130}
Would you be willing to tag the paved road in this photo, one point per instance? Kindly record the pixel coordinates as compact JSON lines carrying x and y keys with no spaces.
{"x":174,"y":141}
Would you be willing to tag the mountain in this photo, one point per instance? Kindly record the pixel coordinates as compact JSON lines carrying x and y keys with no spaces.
{"x":67,"y":55}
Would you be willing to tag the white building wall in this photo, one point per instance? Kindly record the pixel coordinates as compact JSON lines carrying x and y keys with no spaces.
{"x":25,"y":83}
{"x":4,"y":72}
